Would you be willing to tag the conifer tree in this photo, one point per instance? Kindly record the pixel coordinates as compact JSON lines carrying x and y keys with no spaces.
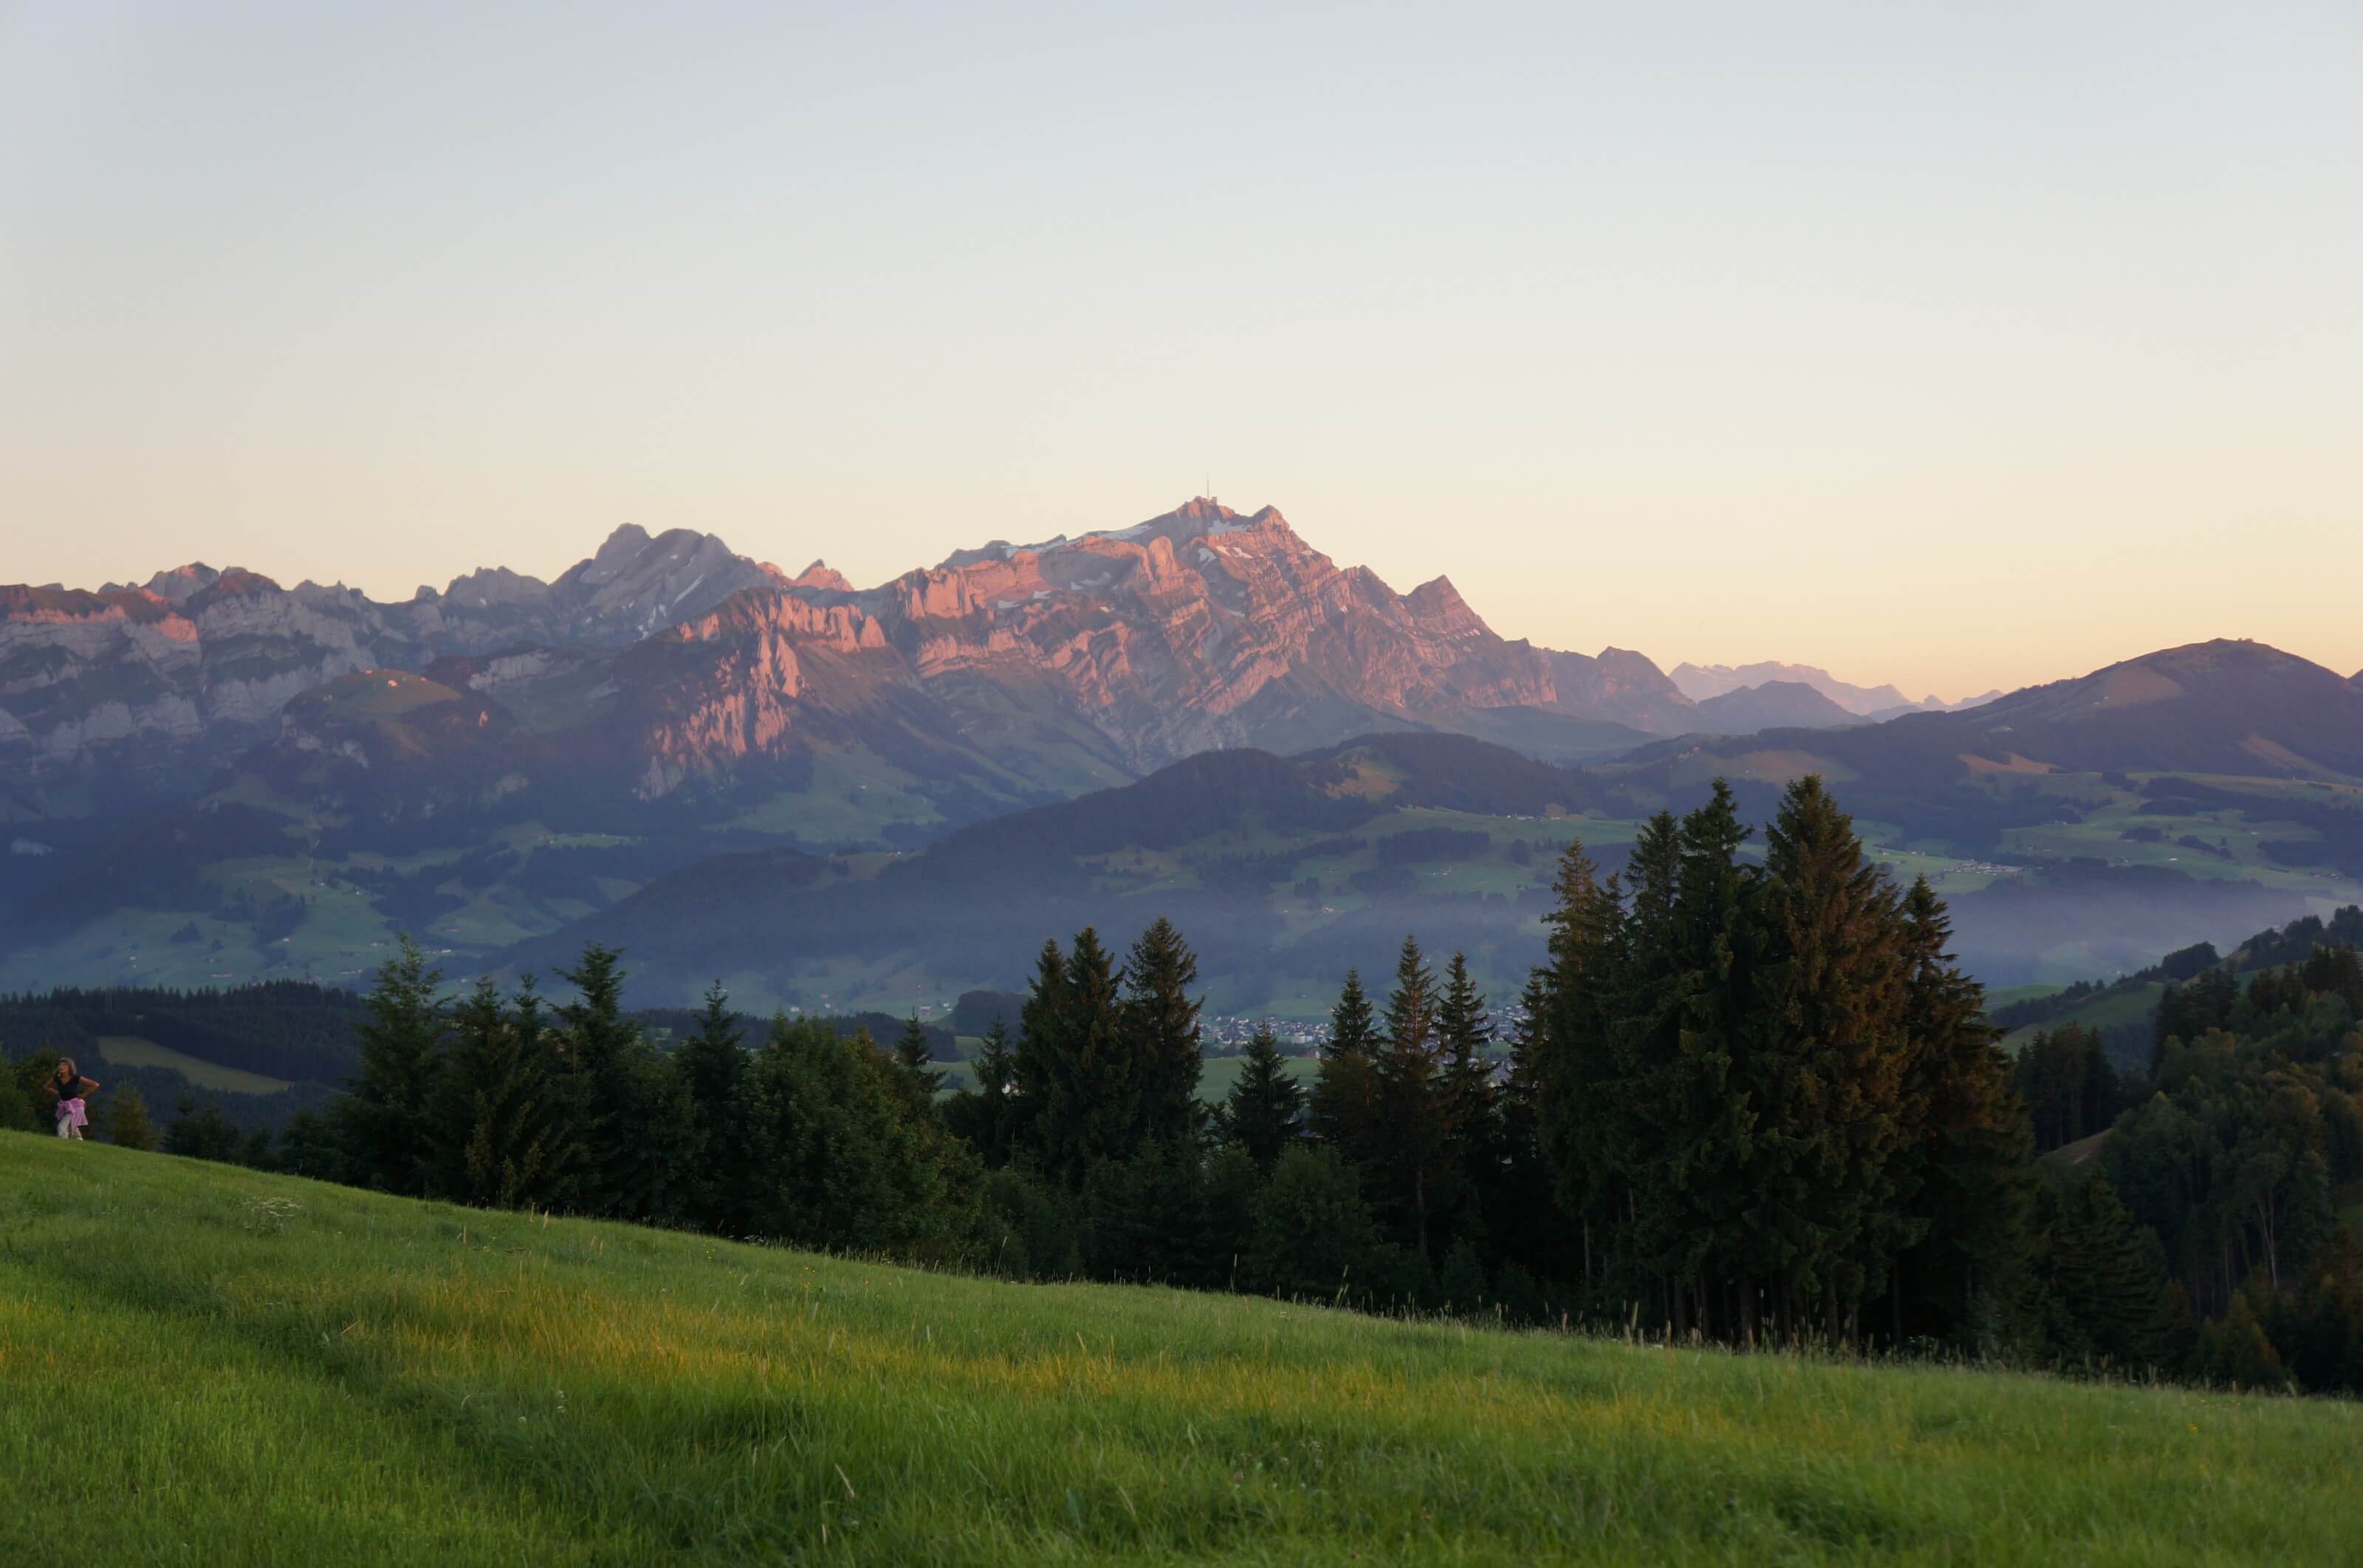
{"x":914,"y":1069}
{"x":1039,"y":1059}
{"x":1704,"y":1108}
{"x":1343,"y":1111}
{"x":625,"y":1101}
{"x":712,"y":1065}
{"x":1967,"y":1176}
{"x":1265,"y":1111}
{"x":1572,"y":1068}
{"x":1836,"y":1002}
{"x":1472,"y":1104}
{"x":1082,"y":1092}
{"x":384,"y":1120}
{"x":2071,"y":1091}
{"x":1159,"y":1020}
{"x":713,"y":1061}
{"x":1415,"y":1109}
{"x":2106,"y":1295}
{"x":1647,"y":995}
{"x":1523,"y":1225}
{"x":499,"y":1142}
{"x":989,"y":1116}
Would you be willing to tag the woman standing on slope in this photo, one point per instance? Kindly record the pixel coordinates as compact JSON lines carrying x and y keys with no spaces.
{"x":68,"y":1086}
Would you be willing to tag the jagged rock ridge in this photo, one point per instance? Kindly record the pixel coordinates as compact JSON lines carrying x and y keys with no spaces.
{"x":669,"y":658}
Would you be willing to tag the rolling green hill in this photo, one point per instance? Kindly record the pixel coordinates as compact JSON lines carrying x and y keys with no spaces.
{"x":213,"y":1366}
{"x":128,"y":1051}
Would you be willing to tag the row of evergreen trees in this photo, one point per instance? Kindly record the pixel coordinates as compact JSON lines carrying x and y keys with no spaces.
{"x":804,"y":1136}
{"x":1764,"y":1099}
{"x":1750,"y":1099}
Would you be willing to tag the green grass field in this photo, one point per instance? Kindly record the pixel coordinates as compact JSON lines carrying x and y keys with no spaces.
{"x":2127,"y":1003}
{"x":127,"y":1051}
{"x":219,"y":1367}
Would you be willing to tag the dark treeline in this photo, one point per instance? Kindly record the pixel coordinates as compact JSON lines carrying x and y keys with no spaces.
{"x":1753,"y":1101}
{"x":282,"y":1028}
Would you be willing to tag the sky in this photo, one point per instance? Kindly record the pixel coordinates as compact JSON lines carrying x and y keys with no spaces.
{"x":1953,"y":346}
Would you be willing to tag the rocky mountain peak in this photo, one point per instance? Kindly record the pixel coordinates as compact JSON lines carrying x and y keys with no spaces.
{"x":819,"y":575}
{"x":488,"y":586}
{"x":1202,"y":627}
{"x":1438,"y":608}
{"x":181,"y":582}
{"x":622,"y":549}
{"x":636,"y":584}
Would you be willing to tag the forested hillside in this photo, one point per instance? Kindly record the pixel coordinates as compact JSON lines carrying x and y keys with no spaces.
{"x":1751,"y":1098}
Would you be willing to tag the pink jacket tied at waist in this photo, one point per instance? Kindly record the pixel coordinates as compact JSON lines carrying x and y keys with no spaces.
{"x":72,"y":1112}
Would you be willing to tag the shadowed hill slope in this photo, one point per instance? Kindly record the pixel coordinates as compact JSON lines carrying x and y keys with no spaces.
{"x":277,"y":1371}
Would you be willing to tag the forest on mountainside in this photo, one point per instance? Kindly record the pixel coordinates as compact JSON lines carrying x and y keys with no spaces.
{"x":1753,"y":1100}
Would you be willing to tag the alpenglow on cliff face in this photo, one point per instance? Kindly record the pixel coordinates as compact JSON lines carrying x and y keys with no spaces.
{"x":662,"y":661}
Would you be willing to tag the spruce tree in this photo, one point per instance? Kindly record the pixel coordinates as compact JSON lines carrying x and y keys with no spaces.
{"x":1704,"y":1106}
{"x":1039,"y":1059}
{"x":1472,"y":1104}
{"x":1967,"y":1180}
{"x":626,"y":1104}
{"x":914,"y":1069}
{"x":1414,"y":1180}
{"x":712,"y":1063}
{"x":1160,"y":1022}
{"x":988,"y":1116}
{"x":2107,"y":1298}
{"x":500,"y":1142}
{"x":1265,"y":1111}
{"x":1343,"y":1111}
{"x":1083,"y":1095}
{"x":1633,"y":1094}
{"x":1523,"y":1222}
{"x":1571,"y":1064}
{"x":1836,"y":1004}
{"x":384,"y":1121}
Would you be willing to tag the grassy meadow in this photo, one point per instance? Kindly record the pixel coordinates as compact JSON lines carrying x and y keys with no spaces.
{"x":216,"y":1365}
{"x":130,"y":1051}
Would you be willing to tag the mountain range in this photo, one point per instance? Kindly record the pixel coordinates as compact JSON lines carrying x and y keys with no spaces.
{"x":209,"y":777}
{"x":665,"y":664}
{"x":1707,"y":683}
{"x":198,"y":769}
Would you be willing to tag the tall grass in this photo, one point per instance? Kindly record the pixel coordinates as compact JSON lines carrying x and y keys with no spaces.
{"x":200,"y":1364}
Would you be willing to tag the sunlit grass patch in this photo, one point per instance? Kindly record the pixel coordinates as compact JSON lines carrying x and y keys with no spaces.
{"x":236,"y":1367}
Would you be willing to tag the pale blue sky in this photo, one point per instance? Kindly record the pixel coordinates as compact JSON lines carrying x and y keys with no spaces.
{"x":1953,"y":346}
